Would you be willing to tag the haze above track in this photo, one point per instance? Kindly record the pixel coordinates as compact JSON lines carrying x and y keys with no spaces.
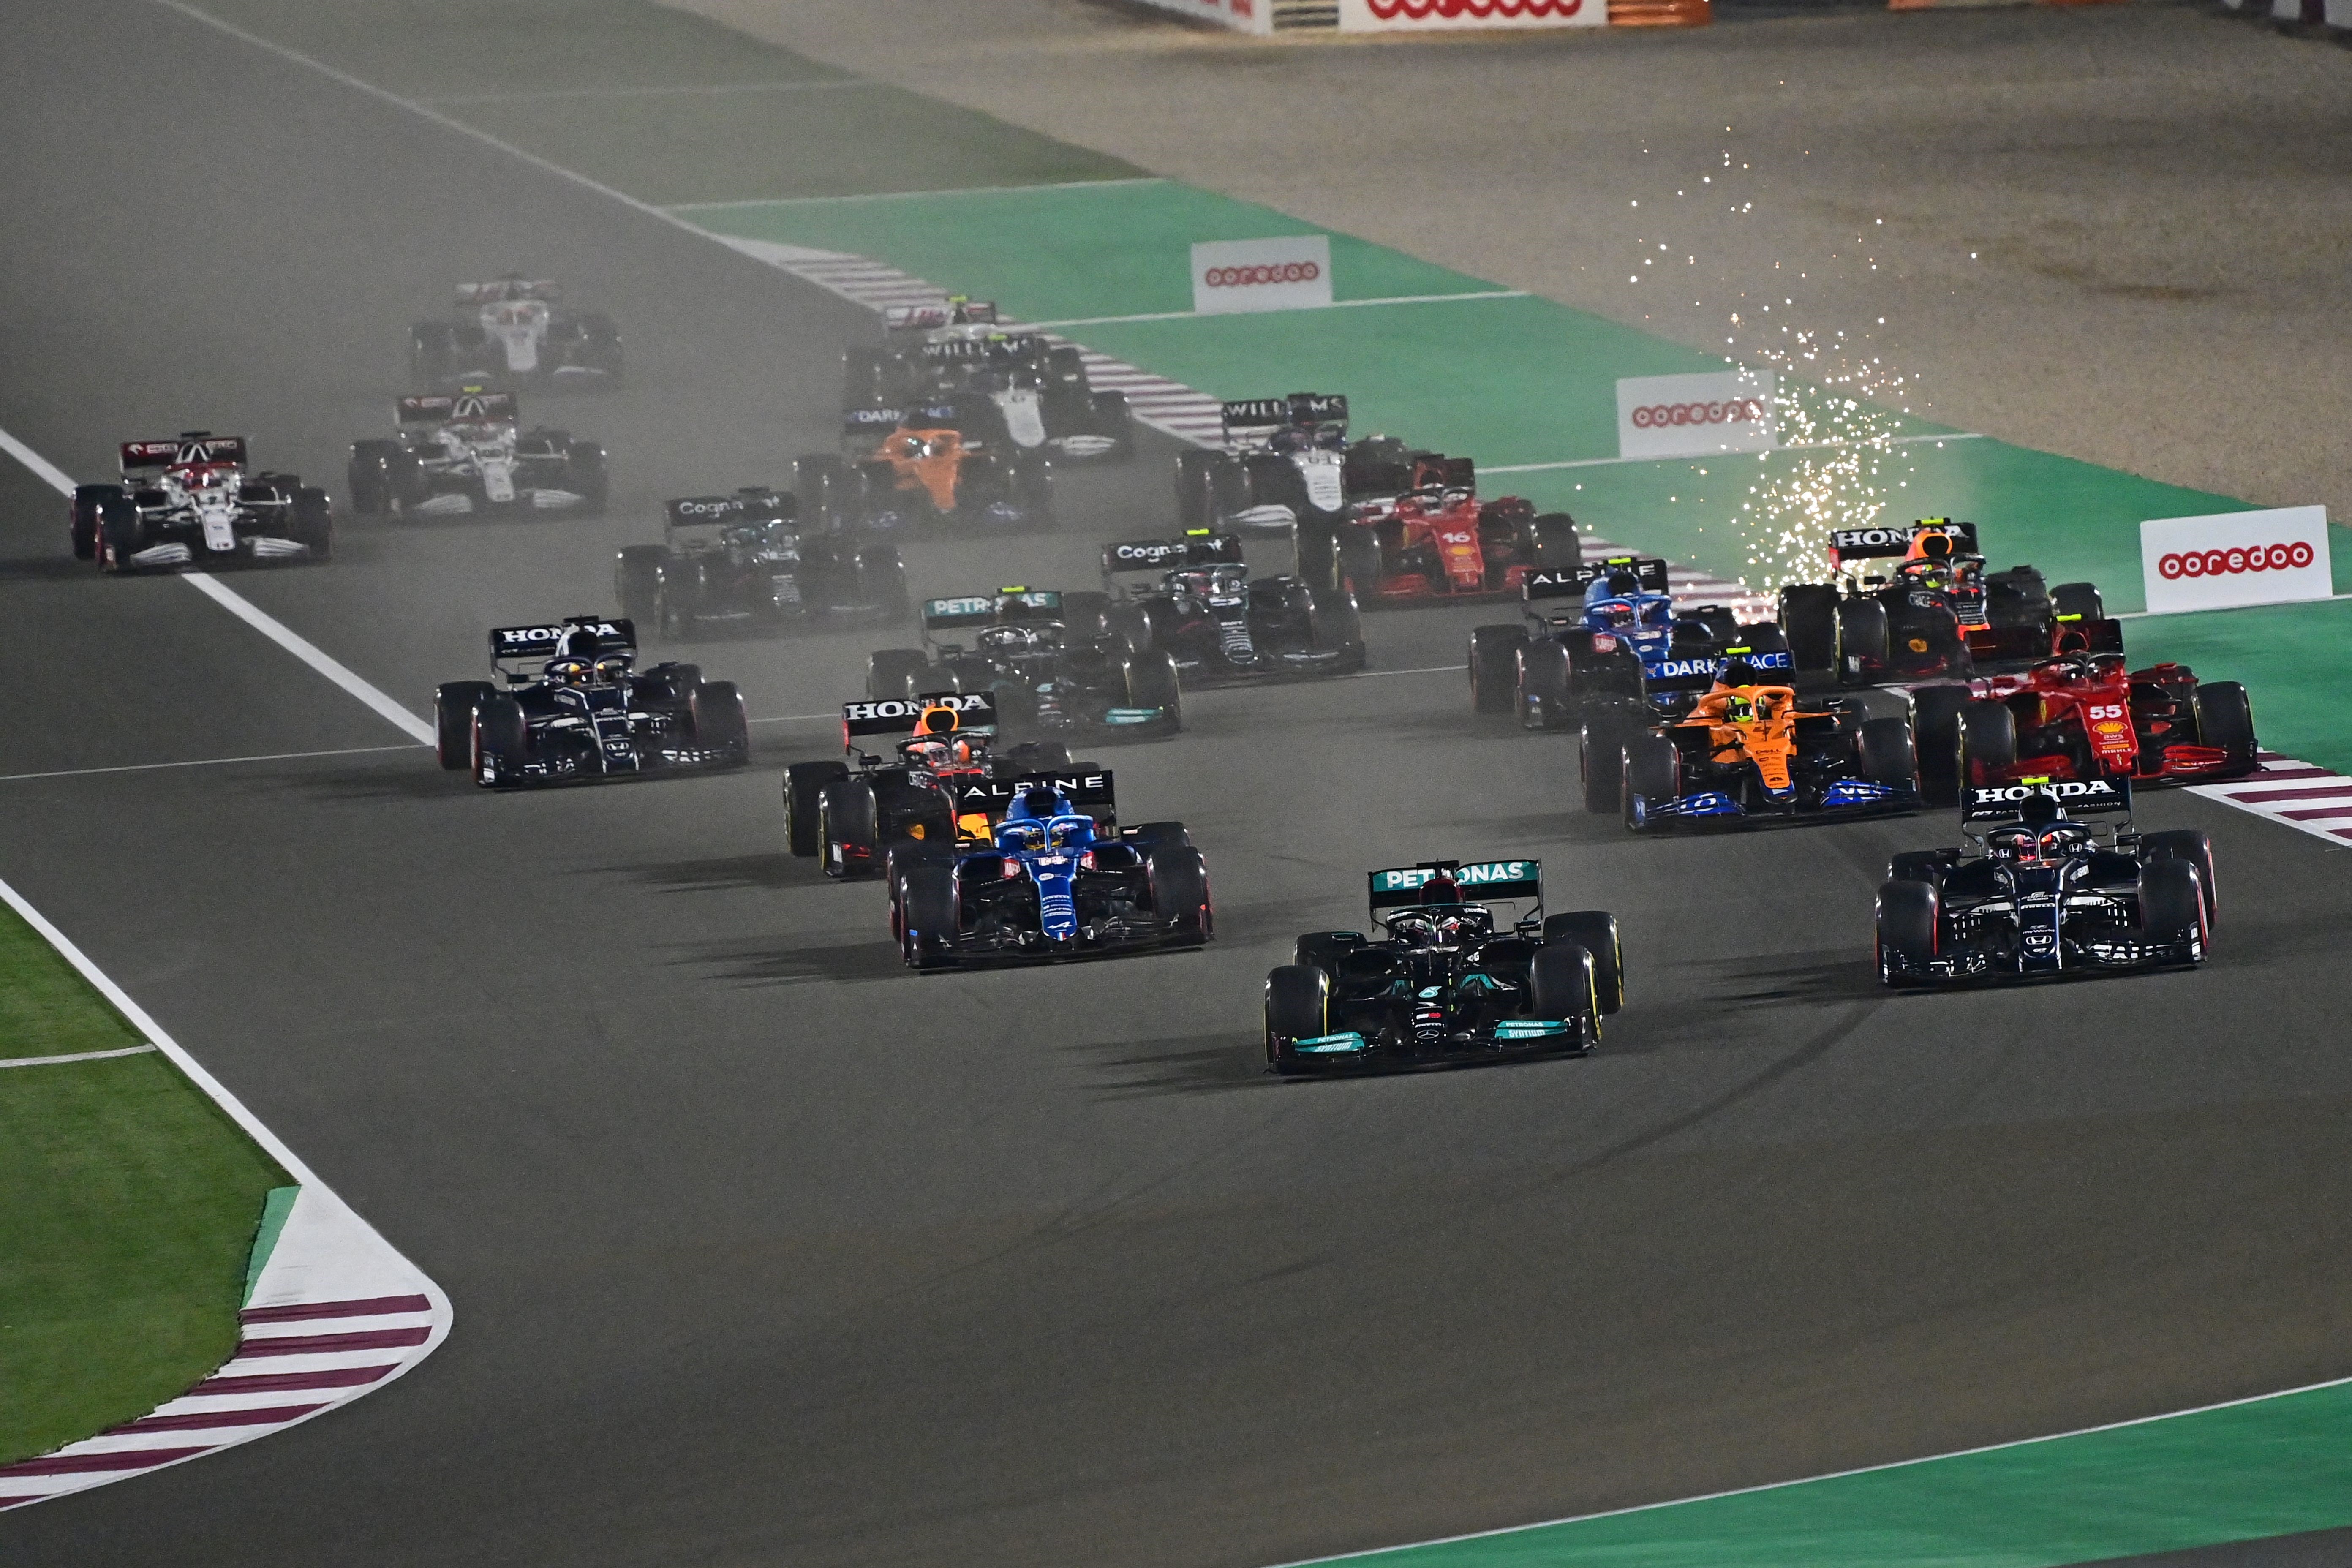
{"x":763,"y":1251}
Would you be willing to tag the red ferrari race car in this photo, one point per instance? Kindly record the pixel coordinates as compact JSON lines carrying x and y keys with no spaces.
{"x":1439,"y":542}
{"x":2082,"y":716}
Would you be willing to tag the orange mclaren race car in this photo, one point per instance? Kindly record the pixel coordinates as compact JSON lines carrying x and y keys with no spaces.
{"x":907,"y":467}
{"x":1750,"y":749}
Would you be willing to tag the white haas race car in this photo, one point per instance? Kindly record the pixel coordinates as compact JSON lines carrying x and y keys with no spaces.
{"x":512,"y":330}
{"x":189,"y":500}
{"x":461,"y":452}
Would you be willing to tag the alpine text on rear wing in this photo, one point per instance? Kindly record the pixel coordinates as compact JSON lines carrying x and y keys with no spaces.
{"x":1088,"y":793}
{"x":1648,"y":571}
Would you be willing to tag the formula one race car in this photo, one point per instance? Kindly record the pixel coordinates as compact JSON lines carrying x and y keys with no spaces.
{"x":1058,"y":878}
{"x":190,"y":501}
{"x":1196,"y":600}
{"x":743,"y":559}
{"x":1053,"y":669}
{"x":1012,"y":391}
{"x":461,"y":452}
{"x":2082,"y":716}
{"x":1440,"y":541}
{"x":1747,"y":749}
{"x":1284,"y":462}
{"x":512,"y":330}
{"x":1607,"y":635}
{"x":1444,"y":984}
{"x":567,"y":704}
{"x":1941,"y":613}
{"x":909,"y":467}
{"x":852,"y":821}
{"x":2045,"y":894}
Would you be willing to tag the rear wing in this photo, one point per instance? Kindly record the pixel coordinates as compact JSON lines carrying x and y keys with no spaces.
{"x":545,"y":640}
{"x":1879,"y":543}
{"x":1987,"y":803}
{"x":873,"y":424}
{"x":1304,"y":410}
{"x":504,"y":288}
{"x":194,"y":446}
{"x":953,"y":614}
{"x":472,"y":403}
{"x":1198,"y":547}
{"x":1649,"y":571}
{"x":1089,"y":793}
{"x":1473,"y":881}
{"x":975,"y":712}
{"x":743,"y":506}
{"x":1007,"y":346}
{"x":948,"y":313}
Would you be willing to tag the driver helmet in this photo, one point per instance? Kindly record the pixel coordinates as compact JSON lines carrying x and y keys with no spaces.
{"x":2071,"y":640}
{"x":968,"y":750}
{"x":570,"y":669}
{"x":1012,"y":837}
{"x":1415,"y":928}
{"x":1466,"y":927}
{"x":1736,"y":672}
{"x":612,"y":668}
{"x":1658,"y":613}
{"x":929,"y":755}
{"x":1611,"y":613}
{"x":1739,"y":710}
{"x":1072,"y":832}
{"x":1289,"y":439}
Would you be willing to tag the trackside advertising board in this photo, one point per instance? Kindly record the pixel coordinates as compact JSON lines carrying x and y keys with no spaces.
{"x":1421,"y":16}
{"x":1288,"y":274}
{"x":1696,"y":415}
{"x":2235,"y":558}
{"x":1242,"y":15}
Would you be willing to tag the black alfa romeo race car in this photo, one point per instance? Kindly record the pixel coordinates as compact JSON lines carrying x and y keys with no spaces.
{"x":463,"y":452}
{"x":1054,"y":668}
{"x":1445,"y":983}
{"x":1194,"y":599}
{"x":2035,"y":891}
{"x":567,"y":703}
{"x":190,"y":501}
{"x":744,"y":560}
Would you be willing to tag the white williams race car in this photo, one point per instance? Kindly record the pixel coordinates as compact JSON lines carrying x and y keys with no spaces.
{"x":189,"y":500}
{"x":1284,"y":462}
{"x":511,"y":330}
{"x":1013,"y":390}
{"x":461,"y":452}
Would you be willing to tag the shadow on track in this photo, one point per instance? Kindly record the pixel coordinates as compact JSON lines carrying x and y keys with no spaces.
{"x":1190,"y":1064}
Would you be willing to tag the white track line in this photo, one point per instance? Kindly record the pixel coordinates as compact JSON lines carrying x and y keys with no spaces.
{"x":74,"y":1056}
{"x":853,"y":83}
{"x":866,"y":197}
{"x":208,"y":762}
{"x":244,"y":609}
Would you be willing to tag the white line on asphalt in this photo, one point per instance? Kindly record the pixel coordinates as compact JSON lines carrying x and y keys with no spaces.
{"x":797,"y":718}
{"x":868,"y":195}
{"x":74,"y":1057}
{"x":309,"y":653}
{"x":252,"y":615}
{"x":1723,"y":456}
{"x":1425,"y":669}
{"x":831,"y":86}
{"x":209,"y":761}
{"x":1334,"y":305}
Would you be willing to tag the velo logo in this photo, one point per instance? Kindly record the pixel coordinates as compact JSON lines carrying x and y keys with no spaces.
{"x":1292,"y":273}
{"x":2236,"y":558}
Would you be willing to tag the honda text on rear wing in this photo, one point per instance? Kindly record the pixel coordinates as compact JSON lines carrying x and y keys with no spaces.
{"x":1198,"y":547}
{"x":188,"y":447}
{"x":1984,"y":803}
{"x":975,"y":713}
{"x":1849,"y":545}
{"x":533,"y":646}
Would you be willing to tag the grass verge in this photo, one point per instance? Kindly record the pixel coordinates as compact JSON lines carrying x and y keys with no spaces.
{"x":132,"y":1203}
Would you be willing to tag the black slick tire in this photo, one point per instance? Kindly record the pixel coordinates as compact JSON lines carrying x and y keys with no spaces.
{"x":1297,"y":1007}
{"x":453,"y":720}
{"x":1907,"y":922}
{"x":1594,"y":931}
{"x":802,"y":783}
{"x":1494,"y":667}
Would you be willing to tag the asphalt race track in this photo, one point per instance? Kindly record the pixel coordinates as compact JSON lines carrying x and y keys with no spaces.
{"x":764,"y":1251}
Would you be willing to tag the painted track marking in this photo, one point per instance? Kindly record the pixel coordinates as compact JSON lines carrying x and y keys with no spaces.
{"x":209,"y":761}
{"x":880,"y":195}
{"x":74,"y":1057}
{"x":826,"y":86}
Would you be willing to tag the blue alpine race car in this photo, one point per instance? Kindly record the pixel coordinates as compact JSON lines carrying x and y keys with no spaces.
{"x":1056,"y":877}
{"x":1606,"y":635}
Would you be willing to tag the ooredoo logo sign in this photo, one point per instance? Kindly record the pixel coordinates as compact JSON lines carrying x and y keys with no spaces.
{"x":1397,"y":15}
{"x":1694,"y":415}
{"x":1290,"y":274}
{"x":2235,"y":558}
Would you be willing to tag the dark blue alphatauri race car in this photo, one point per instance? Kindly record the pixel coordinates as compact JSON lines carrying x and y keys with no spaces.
{"x":2038,"y":892}
{"x":1606,"y":635}
{"x":568,"y":703}
{"x":1057,"y":878}
{"x":1444,"y":984}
